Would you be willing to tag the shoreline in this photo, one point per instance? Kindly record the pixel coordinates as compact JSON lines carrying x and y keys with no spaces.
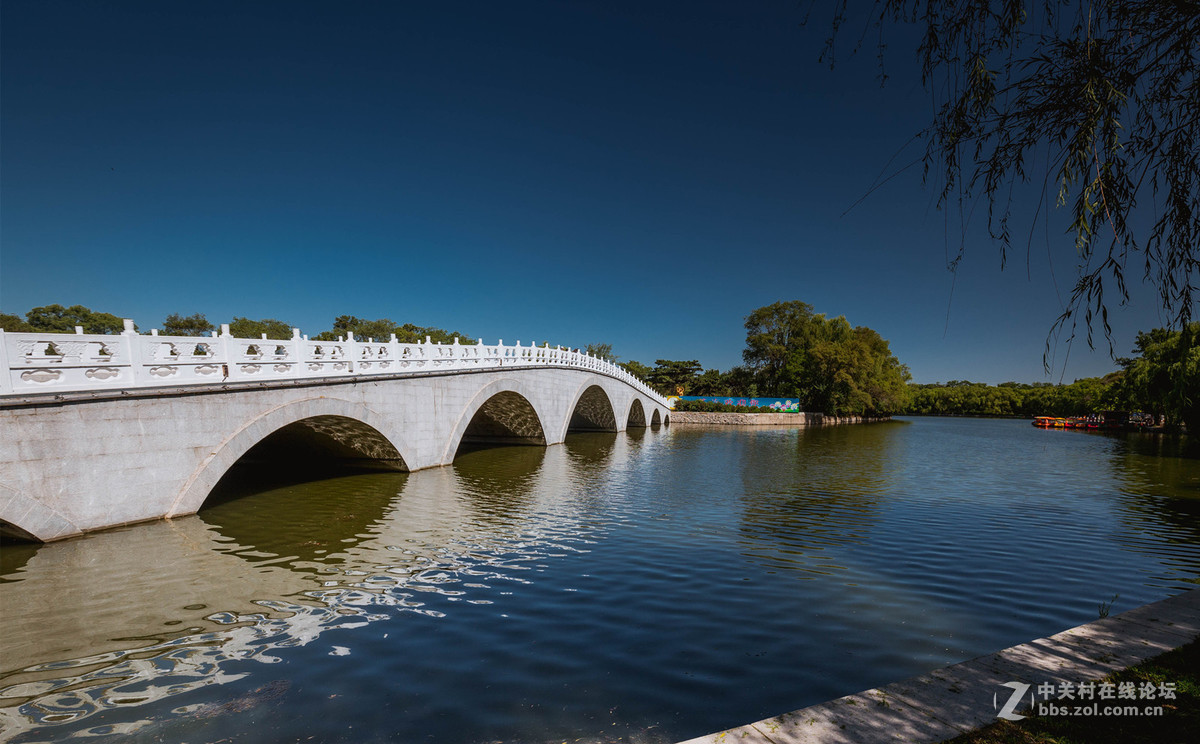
{"x":720,"y":418}
{"x":964,"y":697}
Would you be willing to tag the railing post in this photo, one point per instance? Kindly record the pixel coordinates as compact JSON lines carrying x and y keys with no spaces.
{"x":133,"y":347}
{"x":6,"y":385}
{"x":298,"y":354}
{"x":229,"y":370}
{"x":351,"y":352}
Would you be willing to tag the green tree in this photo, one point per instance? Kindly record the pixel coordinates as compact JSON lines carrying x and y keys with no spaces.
{"x":380,"y":330}
{"x":740,"y":381}
{"x":417,"y":334}
{"x":603,"y":351}
{"x":963,"y":398}
{"x":775,"y":335}
{"x":14,"y":324}
{"x":672,"y":377}
{"x":825,"y":362}
{"x":193,"y":325}
{"x":247,"y":328}
{"x":59,"y":319}
{"x":1165,"y":378}
{"x":637,"y":369}
{"x":711,"y":382}
{"x":853,"y":372}
{"x":813,"y":364}
{"x":882,"y":379}
{"x":1097,"y":101}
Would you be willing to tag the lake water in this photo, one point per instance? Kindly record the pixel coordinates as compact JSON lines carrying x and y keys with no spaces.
{"x":647,"y":586}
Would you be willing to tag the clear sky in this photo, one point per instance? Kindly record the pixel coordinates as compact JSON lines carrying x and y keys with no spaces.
{"x":632,"y":173}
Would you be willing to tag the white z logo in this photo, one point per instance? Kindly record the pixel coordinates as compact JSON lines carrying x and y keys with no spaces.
{"x":1019,"y":689}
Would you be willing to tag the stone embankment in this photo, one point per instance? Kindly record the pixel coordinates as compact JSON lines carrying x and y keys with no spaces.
{"x":698,"y":418}
{"x":954,"y":700}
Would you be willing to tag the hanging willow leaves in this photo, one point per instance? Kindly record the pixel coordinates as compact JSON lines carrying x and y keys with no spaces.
{"x":1099,"y":101}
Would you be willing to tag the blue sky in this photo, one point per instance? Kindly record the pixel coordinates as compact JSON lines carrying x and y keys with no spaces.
{"x":638,"y":174}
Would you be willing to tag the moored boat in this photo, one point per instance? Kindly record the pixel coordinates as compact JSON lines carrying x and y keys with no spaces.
{"x":1109,"y":420}
{"x":1047,"y":422}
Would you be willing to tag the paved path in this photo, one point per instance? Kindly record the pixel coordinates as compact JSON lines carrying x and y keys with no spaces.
{"x":953,"y":700}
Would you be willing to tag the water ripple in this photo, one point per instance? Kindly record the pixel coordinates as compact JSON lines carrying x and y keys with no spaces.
{"x":650,"y":587}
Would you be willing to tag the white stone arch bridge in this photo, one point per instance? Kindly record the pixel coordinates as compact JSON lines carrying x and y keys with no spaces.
{"x":98,"y":431}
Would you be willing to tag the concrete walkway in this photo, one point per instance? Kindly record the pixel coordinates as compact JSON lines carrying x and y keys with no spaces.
{"x":953,"y":700}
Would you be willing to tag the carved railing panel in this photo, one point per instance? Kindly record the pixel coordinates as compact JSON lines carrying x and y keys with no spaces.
{"x":33,"y":363}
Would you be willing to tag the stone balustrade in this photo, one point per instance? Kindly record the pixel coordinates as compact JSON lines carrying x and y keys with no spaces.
{"x":34,"y":364}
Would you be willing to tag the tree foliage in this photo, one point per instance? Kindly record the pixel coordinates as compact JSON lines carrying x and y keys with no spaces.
{"x":825,"y":362}
{"x":14,"y":323}
{"x":602,"y":351}
{"x":775,"y":336}
{"x":383,"y":328}
{"x":673,"y":377}
{"x":963,"y":398}
{"x":1097,"y":101}
{"x":412,"y":334}
{"x":637,"y":369}
{"x":1164,"y":378}
{"x":247,"y":328}
{"x":363,"y":330}
{"x":59,"y":319}
{"x":710,"y":382}
{"x":193,"y":325}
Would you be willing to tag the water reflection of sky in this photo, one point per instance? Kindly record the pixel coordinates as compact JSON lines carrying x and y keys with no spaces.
{"x":653,"y":585}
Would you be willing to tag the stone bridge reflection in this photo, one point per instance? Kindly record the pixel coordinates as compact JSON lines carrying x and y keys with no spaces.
{"x":249,"y":577}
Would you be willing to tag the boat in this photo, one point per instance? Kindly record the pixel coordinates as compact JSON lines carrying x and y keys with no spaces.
{"x":1109,"y":421}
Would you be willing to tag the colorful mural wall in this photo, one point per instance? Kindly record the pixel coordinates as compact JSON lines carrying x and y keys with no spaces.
{"x":783,"y":405}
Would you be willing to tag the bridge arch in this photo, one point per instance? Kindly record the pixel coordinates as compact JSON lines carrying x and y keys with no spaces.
{"x":349,"y":429}
{"x":637,"y":415}
{"x":505,"y":410}
{"x":592,"y":410}
{"x":26,"y":518}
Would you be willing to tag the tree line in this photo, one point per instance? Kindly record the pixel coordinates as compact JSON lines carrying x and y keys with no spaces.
{"x":1162,"y":378}
{"x":965,"y":398}
{"x":60,"y":319}
{"x":793,"y":352}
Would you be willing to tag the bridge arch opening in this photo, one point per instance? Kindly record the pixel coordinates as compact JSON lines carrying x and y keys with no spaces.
{"x":10,"y":532}
{"x":658,"y":419}
{"x":505,"y":418}
{"x":593,"y":412}
{"x":309,"y":449}
{"x":637,"y":416}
